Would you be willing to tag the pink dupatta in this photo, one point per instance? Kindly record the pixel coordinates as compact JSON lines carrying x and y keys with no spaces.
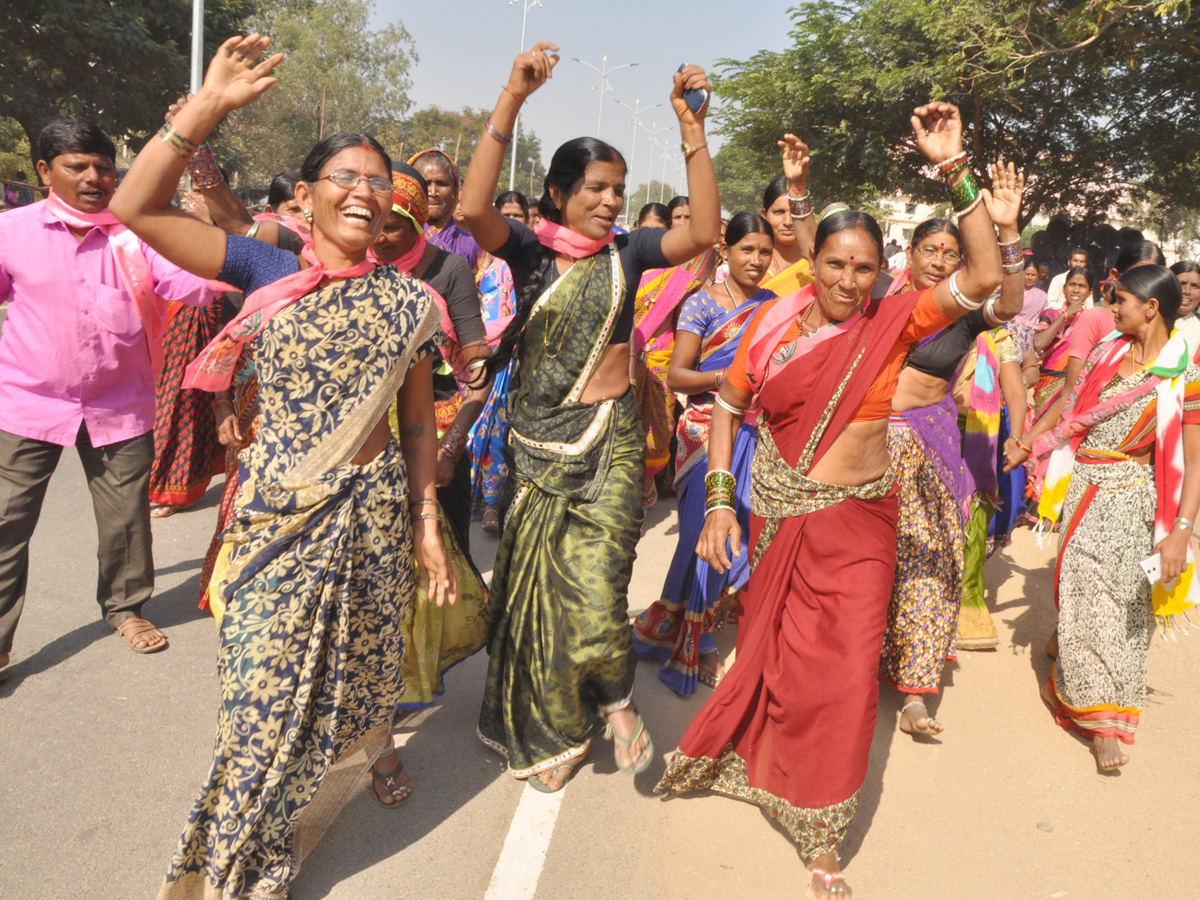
{"x":132,"y":266}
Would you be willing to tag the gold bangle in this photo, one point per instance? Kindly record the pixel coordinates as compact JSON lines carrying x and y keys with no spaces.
{"x":690,"y":150}
{"x":179,"y":145}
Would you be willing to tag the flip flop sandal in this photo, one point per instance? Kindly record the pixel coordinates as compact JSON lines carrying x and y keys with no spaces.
{"x":709,"y":677}
{"x":540,"y":786}
{"x":398,"y":790}
{"x":491,"y":520}
{"x":642,"y":763}
{"x":132,"y":628}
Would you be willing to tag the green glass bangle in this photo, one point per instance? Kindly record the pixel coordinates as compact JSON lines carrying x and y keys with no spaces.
{"x":964,"y":194}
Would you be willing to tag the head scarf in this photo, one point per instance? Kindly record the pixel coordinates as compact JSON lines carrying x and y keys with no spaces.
{"x":412,"y":161}
{"x":409,"y":195}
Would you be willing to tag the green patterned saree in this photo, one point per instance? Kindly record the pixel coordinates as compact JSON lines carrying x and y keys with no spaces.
{"x":561,"y":654}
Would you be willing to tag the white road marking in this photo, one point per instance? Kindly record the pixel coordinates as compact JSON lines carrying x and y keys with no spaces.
{"x":524,"y":852}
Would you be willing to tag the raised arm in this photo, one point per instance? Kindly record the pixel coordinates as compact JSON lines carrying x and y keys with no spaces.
{"x":529,"y":72}
{"x":704,"y":230}
{"x":236,"y":77}
{"x":1003,"y":204}
{"x":795,"y":170}
{"x":938,"y":130}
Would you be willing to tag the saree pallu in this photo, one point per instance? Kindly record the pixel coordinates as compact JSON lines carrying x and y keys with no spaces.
{"x":318,"y":582}
{"x":659,"y":295}
{"x":923,"y":612}
{"x":790,"y":725}
{"x":245,"y":409}
{"x":559,"y":642}
{"x":677,"y":628}
{"x":789,"y":280}
{"x":486,"y":444}
{"x":187,"y":453}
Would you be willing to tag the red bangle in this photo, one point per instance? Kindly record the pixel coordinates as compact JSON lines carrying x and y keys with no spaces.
{"x":512,"y":93}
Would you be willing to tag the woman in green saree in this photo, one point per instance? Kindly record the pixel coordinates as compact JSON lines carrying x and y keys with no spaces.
{"x":320,"y":553}
{"x":562,"y":660}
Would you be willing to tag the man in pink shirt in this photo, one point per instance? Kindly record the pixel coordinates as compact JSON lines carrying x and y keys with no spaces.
{"x":75,"y":368}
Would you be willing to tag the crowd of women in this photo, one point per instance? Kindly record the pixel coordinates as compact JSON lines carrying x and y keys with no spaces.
{"x":402,"y":347}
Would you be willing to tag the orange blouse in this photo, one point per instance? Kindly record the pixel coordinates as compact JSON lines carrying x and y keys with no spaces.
{"x":927,"y":318}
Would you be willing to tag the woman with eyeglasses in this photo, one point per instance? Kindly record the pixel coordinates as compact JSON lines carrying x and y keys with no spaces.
{"x":335,"y":523}
{"x":934,"y":482}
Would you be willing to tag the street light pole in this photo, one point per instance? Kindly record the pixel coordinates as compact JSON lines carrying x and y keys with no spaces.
{"x":654,"y":132}
{"x":637,"y":111}
{"x":602,"y":82}
{"x":197,"y":45}
{"x":526,"y":5}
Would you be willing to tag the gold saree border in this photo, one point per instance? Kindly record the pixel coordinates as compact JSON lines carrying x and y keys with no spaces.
{"x":815,"y":830}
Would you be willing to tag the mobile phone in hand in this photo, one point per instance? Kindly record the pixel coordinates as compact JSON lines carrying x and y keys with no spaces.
{"x":695,"y":98}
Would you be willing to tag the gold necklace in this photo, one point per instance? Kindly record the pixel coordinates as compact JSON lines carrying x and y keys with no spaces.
{"x":732,"y":299}
{"x":804,"y":318}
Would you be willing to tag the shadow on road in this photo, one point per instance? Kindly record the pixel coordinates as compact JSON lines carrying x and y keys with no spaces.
{"x":166,"y":610}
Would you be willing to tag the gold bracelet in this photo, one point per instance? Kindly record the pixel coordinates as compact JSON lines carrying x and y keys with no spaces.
{"x":690,"y":150}
{"x":179,"y":145}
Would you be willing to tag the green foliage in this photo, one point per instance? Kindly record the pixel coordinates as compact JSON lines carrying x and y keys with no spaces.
{"x":14,"y":151}
{"x":654,"y":192}
{"x":120,"y":62}
{"x":456,"y":134}
{"x":1087,"y":97}
{"x":338,"y":74}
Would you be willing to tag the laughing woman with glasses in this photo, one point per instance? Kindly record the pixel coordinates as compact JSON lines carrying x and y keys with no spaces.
{"x":317,"y":567}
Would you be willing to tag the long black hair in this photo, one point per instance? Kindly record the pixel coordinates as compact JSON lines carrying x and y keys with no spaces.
{"x":567,"y":167}
{"x":745,"y":223}
{"x":1154,"y":281}
{"x":773,"y":191}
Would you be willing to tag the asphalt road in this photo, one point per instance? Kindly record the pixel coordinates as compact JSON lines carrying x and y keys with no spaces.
{"x":102,"y":752}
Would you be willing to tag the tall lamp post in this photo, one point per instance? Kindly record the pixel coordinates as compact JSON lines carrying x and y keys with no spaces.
{"x":637,"y":109}
{"x":526,"y":5}
{"x":602,"y":82}
{"x":197,"y":45}
{"x":654,"y":131}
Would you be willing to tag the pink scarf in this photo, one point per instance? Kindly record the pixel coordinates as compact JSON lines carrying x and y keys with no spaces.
{"x":132,"y":266}
{"x":567,"y":242}
{"x":212,"y":370}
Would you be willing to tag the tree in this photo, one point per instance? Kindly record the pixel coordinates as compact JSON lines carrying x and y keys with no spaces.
{"x":457,"y":133}
{"x":120,"y":62}
{"x":1088,"y":97}
{"x":338,"y":74}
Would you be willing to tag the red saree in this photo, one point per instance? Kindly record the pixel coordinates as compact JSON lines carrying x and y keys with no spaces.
{"x":790,"y":725}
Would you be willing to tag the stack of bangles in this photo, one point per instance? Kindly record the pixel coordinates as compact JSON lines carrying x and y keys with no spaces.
{"x":415,"y":505}
{"x":496,"y":133}
{"x":179,"y":145}
{"x":800,"y":206}
{"x":1011,"y":257}
{"x":453,"y":441}
{"x":720,"y":489}
{"x":203,"y":169}
{"x":718,"y":378}
{"x":964,"y":195}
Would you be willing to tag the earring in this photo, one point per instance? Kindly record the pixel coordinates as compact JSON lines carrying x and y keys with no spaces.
{"x":307,"y":216}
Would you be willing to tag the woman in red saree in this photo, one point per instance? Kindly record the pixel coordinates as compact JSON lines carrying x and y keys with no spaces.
{"x":790,"y":725}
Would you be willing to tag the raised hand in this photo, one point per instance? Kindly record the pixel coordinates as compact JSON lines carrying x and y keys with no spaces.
{"x":795,"y":161}
{"x":237,"y":76}
{"x":531,"y":70}
{"x":938,"y":129}
{"x":691,"y":78}
{"x":1003,"y":201}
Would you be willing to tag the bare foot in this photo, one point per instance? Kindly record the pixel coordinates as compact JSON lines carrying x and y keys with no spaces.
{"x":1108,"y":753}
{"x":711,"y":671}
{"x":1052,"y":645}
{"x":826,"y":881}
{"x":915,"y":718}
{"x":390,"y":782}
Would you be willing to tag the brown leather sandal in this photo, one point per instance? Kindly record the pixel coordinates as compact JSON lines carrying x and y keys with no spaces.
{"x":396,"y":783}
{"x":132,"y":630}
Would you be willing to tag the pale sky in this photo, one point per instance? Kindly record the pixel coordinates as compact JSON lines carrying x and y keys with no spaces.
{"x":467,"y":47}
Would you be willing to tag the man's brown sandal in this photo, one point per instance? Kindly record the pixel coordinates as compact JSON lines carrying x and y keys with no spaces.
{"x":132,"y":630}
